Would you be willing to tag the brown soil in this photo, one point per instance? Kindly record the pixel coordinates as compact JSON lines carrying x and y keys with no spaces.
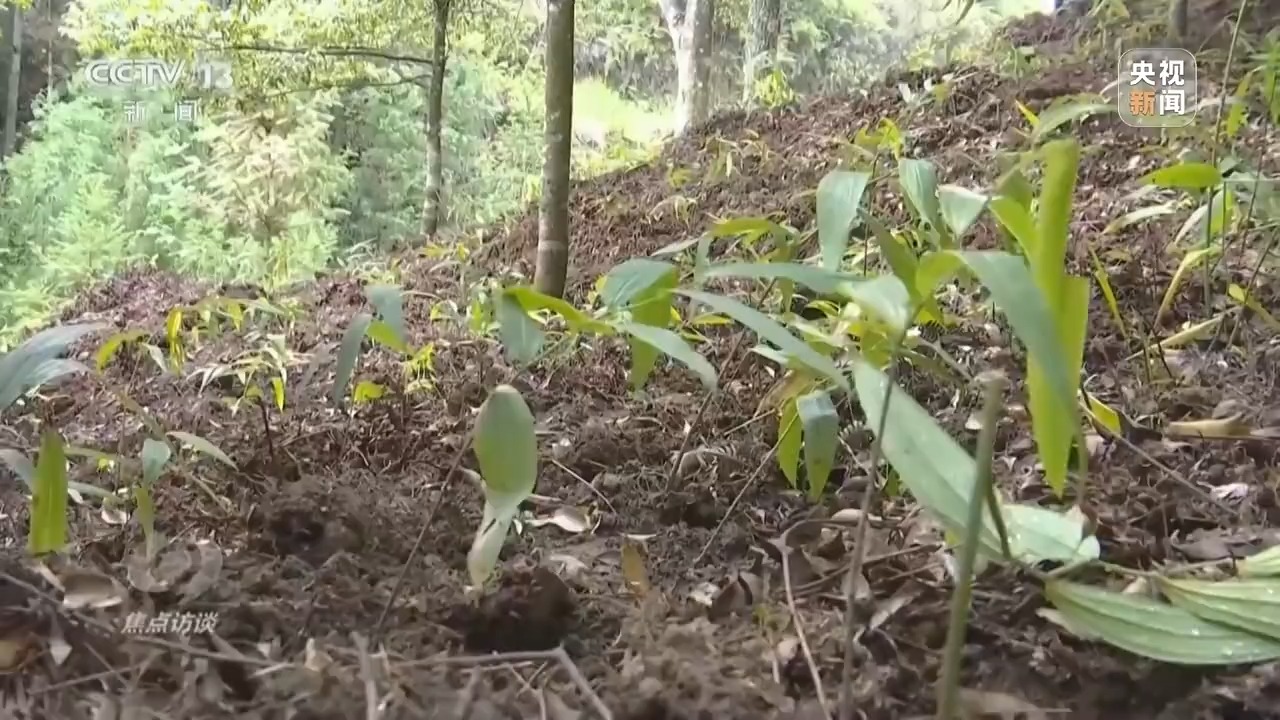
{"x":317,"y":526}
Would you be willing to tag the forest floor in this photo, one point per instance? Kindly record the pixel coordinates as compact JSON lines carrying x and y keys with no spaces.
{"x":668,"y":600}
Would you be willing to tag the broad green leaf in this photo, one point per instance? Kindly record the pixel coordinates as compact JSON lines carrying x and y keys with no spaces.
{"x":819,"y":279}
{"x":1038,"y":534}
{"x":960,"y":208}
{"x":768,"y":329}
{"x":22,"y":466}
{"x":35,"y":361}
{"x":668,"y":342}
{"x":349,"y":354}
{"x":1059,"y":115}
{"x":821,"y":425}
{"x":383,"y":334}
{"x":112,"y":346}
{"x":651,"y":307}
{"x":1185,"y":176}
{"x":1189,"y":263}
{"x":507,"y":454}
{"x":532,"y":300}
{"x":1017,"y":221}
{"x":203,"y":446}
{"x":900,"y":258}
{"x":388,"y":300}
{"x":521,"y":336}
{"x":1263,"y":564}
{"x":933,"y":466}
{"x":1053,"y":426}
{"x":1237,"y":293}
{"x":839,"y":199}
{"x":1106,"y":415}
{"x":790,"y":433}
{"x":155,"y":455}
{"x":919,"y":182}
{"x":628,"y":280}
{"x":886,"y":297}
{"x":1048,"y":262}
{"x":1013,"y":185}
{"x":750,"y":228}
{"x":1155,"y":630}
{"x":48,"y":521}
{"x":367,"y":391}
{"x":1250,"y":605}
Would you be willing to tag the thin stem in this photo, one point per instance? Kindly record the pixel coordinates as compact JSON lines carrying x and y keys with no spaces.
{"x":994,"y":385}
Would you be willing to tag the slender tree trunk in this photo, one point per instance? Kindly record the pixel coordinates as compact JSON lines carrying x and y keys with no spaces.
{"x":1177,"y":33}
{"x":553,"y":225}
{"x":764,"y":25}
{"x":689,"y":22}
{"x":13,"y":43}
{"x":434,"y":207}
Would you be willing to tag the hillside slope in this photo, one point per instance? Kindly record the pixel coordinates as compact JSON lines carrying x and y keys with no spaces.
{"x":337,"y":525}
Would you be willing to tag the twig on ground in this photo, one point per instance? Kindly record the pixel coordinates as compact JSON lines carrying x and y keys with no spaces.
{"x":556,"y":655}
{"x":814,"y":671}
{"x":366,"y":675}
{"x":1168,"y":470}
{"x":445,"y":484}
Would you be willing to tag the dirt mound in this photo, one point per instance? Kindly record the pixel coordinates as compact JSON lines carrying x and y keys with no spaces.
{"x":343,"y":529}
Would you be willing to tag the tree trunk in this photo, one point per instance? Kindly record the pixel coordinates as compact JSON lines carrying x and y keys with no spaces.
{"x":553,"y":222}
{"x":13,"y":43}
{"x":764,"y":25}
{"x":689,"y":22}
{"x":433,"y":208}
{"x":1177,"y":34}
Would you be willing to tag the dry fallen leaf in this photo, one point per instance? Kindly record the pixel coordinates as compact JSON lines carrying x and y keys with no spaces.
{"x":88,"y":589}
{"x":568,"y":518}
{"x":634,"y":571}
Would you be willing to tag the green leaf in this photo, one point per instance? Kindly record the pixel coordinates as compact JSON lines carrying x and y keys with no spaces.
{"x":1059,"y":115}
{"x":919,"y":182}
{"x":112,"y":346}
{"x":506,"y":450}
{"x":629,"y":280}
{"x":520,"y":334}
{"x":818,"y":279}
{"x":388,"y":300}
{"x":532,"y":301}
{"x":789,"y":441}
{"x":900,"y":258}
{"x":821,"y":424}
{"x":1053,"y":373}
{"x":767,"y":329}
{"x":886,"y":297}
{"x":203,"y":446}
{"x":1263,"y":564}
{"x":367,"y":391}
{"x":383,"y":334}
{"x":960,"y":208}
{"x":49,"y":497}
{"x":1249,"y":605}
{"x":1185,"y":176}
{"x":651,"y":307}
{"x":1153,"y":629}
{"x":1053,"y":225}
{"x":839,"y":199}
{"x":666,"y":341}
{"x":1189,"y":263}
{"x":1038,"y":534}
{"x":1017,"y":220}
{"x":35,"y":361}
{"x":155,"y":455}
{"x":348,"y":355}
{"x":937,"y":471}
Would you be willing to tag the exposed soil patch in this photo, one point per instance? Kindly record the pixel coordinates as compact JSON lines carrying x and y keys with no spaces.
{"x":316,"y":528}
